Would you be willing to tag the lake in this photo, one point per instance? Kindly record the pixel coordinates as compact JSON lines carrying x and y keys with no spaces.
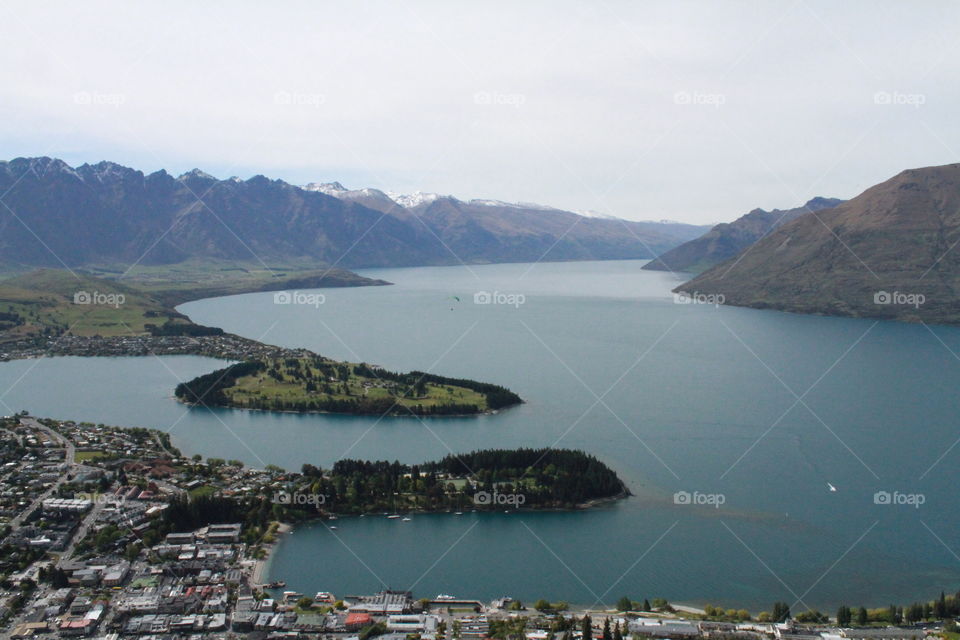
{"x":763,"y":412}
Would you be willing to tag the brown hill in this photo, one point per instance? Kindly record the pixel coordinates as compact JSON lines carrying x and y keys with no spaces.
{"x":888,"y":253}
{"x":727,"y":239}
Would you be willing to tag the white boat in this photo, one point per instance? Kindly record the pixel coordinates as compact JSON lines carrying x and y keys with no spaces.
{"x":393,"y":517}
{"x":406,"y":519}
{"x":444,"y":596}
{"x":458,"y":513}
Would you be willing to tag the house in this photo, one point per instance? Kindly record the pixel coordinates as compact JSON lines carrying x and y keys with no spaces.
{"x":357,"y":621}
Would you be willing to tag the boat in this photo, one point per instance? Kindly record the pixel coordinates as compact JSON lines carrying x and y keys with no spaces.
{"x":458,"y":513}
{"x":407,"y":519}
{"x":332,"y":518}
{"x":332,"y":528}
{"x":444,"y":596}
{"x":393,"y":517}
{"x":276,"y":584}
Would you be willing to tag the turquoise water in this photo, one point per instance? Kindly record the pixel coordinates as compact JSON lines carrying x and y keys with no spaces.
{"x":693,"y":398}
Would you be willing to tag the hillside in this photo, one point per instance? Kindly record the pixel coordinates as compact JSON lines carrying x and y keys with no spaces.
{"x":730,"y":238}
{"x":107,"y":215}
{"x":51,"y":302}
{"x":888,"y":253}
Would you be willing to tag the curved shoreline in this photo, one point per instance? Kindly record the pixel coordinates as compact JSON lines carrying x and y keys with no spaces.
{"x":478,"y":414}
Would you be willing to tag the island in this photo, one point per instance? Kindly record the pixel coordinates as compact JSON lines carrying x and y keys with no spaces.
{"x":312,"y":384}
{"x":489,"y":479}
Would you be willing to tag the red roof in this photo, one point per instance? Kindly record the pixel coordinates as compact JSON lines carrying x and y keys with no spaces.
{"x":358,"y":618}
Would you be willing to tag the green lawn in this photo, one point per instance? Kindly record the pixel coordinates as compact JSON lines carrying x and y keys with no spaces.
{"x":357,"y":387}
{"x":85,"y":456}
{"x":202,"y":491}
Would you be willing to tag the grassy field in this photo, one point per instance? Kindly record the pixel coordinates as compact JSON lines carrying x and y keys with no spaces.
{"x":86,"y":456}
{"x":108,"y":301}
{"x":193,"y":279}
{"x":341,"y":381}
{"x":55,"y":301}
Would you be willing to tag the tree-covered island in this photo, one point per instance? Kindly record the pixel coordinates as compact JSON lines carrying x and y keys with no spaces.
{"x":317,"y":384}
{"x":491,"y":479}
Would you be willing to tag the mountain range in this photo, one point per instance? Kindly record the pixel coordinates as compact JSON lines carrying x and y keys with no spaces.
{"x":105,"y":213}
{"x":727,"y":239}
{"x":891,"y":252}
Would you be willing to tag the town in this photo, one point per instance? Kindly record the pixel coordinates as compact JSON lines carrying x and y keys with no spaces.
{"x":225,"y":346}
{"x":100,"y":540}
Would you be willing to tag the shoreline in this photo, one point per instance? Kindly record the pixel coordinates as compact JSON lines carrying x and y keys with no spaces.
{"x":261,"y":567}
{"x":478,"y":414}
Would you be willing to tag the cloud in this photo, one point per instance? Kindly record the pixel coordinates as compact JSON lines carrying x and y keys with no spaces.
{"x":696,"y":111}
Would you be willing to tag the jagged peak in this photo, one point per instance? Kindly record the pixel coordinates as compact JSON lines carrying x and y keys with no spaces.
{"x":196,"y":173}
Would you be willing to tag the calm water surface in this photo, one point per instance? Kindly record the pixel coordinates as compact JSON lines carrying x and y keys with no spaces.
{"x":677,"y":398}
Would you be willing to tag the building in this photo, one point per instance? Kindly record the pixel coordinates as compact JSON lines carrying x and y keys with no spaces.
{"x":357,"y":621}
{"x":223,"y":533}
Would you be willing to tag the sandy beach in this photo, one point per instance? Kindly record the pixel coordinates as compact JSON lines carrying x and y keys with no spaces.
{"x":260,"y":566}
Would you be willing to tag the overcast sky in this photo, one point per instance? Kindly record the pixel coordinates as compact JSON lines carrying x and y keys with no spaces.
{"x":693,"y":111}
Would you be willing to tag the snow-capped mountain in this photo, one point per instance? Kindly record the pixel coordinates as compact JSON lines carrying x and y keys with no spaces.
{"x":418,"y":198}
{"x":106,"y":213}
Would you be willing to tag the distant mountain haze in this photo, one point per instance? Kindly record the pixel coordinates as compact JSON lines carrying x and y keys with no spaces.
{"x":729,"y":238}
{"x":107,"y":213}
{"x":891,"y":252}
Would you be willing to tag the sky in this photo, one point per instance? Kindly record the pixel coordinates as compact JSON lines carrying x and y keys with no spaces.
{"x":691,"y":111}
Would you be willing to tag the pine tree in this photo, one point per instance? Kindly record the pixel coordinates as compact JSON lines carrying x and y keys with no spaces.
{"x":844,"y":616}
{"x":607,"y":635}
{"x":862,"y":616}
{"x":586,"y":628}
